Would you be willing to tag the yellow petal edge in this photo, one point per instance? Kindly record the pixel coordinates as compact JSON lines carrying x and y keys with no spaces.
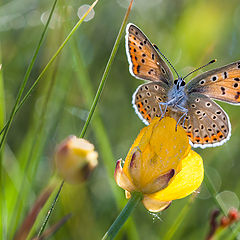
{"x":186,"y":181}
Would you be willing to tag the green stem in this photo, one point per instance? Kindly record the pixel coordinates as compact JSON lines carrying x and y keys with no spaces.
{"x":50,"y":211}
{"x":26,"y":77}
{"x":106,"y":71}
{"x":123,"y":216}
{"x":179,"y":220}
{"x":100,"y":88}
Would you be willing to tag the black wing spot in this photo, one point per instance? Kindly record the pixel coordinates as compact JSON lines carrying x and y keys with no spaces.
{"x":214,"y":78}
{"x":138,"y":68}
{"x":218,"y":112}
{"x":136,"y":58}
{"x":154,"y":109}
{"x":134,"y":50}
{"x":237,"y":79}
{"x":201,"y":126}
{"x":225,"y":75}
{"x":136,"y":32}
{"x":145,"y":41}
{"x":238,"y":65}
{"x":202,"y":82}
{"x":153,"y":56}
{"x":163,"y":70}
{"x":140,"y":47}
{"x":213,"y":125}
{"x":193,"y":105}
{"x":223,"y":90}
{"x":143,"y":61}
{"x":149,"y":94}
{"x":208,"y":104}
{"x":235,"y":85}
{"x":141,"y":43}
{"x":156,"y":87}
{"x":198,"y":112}
{"x":237,"y":95}
{"x":146,"y":87}
{"x":144,"y":55}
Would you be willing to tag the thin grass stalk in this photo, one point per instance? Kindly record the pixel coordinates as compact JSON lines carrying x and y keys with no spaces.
{"x":50,"y":211}
{"x":34,"y":151}
{"x":6,"y":127}
{"x":99,"y":130}
{"x":106,"y":71}
{"x":123,"y":216}
{"x":3,"y":230}
{"x":177,"y":223}
{"x":97,"y":96}
{"x":26,"y":77}
{"x":46,"y":68}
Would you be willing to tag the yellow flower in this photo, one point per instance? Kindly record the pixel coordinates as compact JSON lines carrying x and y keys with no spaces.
{"x":75,"y":159}
{"x":160,"y":165}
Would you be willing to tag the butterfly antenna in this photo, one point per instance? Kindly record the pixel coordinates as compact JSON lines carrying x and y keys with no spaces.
{"x":166,"y":59}
{"x":212,"y":61}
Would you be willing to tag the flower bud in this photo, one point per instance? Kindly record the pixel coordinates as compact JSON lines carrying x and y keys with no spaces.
{"x":75,"y":159}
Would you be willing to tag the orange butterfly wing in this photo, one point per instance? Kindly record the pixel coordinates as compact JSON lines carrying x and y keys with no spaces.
{"x":222,"y":83}
{"x":144,"y":60}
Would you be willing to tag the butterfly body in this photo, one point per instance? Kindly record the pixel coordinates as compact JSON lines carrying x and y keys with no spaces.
{"x":205,"y":122}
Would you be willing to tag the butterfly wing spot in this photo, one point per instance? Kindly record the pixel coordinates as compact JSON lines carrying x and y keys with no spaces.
{"x":208,"y":104}
{"x":197,"y":100}
{"x":196,"y":130}
{"x":235,"y":85}
{"x":193,"y":105}
{"x":198,"y":112}
{"x":202,"y":82}
{"x":237,"y":96}
{"x":223,"y":90}
{"x":214,"y":117}
{"x":218,"y":112}
{"x":153,"y":56}
{"x":237,"y":79}
{"x":238,"y":65}
{"x":225,"y":75}
{"x":214,"y":78}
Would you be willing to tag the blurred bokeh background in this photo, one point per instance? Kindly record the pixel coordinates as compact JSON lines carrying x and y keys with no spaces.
{"x":189,"y":33}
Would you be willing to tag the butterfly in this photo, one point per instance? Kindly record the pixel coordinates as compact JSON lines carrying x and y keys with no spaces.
{"x":191,"y":104}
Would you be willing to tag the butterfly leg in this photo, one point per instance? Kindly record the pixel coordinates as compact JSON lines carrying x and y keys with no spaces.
{"x":184,"y":115}
{"x":165,"y":109}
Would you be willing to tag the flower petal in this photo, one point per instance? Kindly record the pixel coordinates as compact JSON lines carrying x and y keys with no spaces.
{"x":158,"y":183}
{"x":122,"y":179}
{"x":154,"y":205}
{"x":186,"y":181}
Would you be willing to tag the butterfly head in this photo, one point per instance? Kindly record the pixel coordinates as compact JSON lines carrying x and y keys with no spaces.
{"x":179,"y":83}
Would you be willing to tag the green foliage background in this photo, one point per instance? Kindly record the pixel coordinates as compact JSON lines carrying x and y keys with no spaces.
{"x":189,"y":33}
